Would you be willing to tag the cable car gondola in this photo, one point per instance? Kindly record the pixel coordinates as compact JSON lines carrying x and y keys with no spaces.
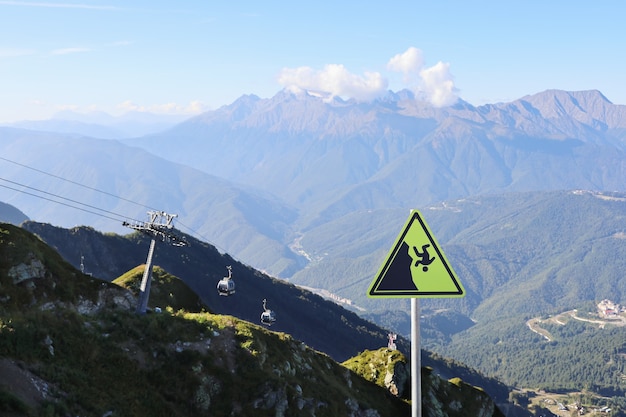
{"x":226,"y":286}
{"x":267,"y":316}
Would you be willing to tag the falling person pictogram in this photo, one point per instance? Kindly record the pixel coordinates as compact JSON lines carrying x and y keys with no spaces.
{"x":424,"y":256}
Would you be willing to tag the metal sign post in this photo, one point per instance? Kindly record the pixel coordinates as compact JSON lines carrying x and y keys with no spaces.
{"x":416,"y":360}
{"x":416,"y":268}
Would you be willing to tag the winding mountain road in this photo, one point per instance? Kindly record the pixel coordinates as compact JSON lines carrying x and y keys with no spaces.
{"x":534,"y":324}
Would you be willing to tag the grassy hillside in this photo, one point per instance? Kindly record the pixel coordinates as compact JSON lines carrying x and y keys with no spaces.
{"x":109,"y":360}
{"x":167,"y":291}
{"x":58,"y":357}
{"x":33,"y":274}
{"x":183,"y":364}
{"x":320,"y":323}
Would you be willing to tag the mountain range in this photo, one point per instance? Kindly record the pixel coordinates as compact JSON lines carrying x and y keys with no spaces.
{"x":102,"y":125}
{"x":278,"y":182}
{"x":332,"y":158}
{"x":526,"y":197}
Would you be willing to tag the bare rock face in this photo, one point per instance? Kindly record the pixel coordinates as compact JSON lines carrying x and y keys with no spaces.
{"x":455,"y":398}
{"x":396,"y":378}
{"x":111,"y":298}
{"x":27,"y":270}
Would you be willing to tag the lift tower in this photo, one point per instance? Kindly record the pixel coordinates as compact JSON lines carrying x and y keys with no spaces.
{"x":159,"y":228}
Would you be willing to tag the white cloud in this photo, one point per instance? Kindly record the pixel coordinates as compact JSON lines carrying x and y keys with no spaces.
{"x":408,"y":63}
{"x":434,"y":84}
{"x":438,"y":85}
{"x":336,"y":80}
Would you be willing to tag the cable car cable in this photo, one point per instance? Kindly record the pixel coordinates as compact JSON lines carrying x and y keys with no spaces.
{"x":192,"y":231}
{"x":59,"y":202}
{"x":79,"y":184}
{"x":68,"y":199}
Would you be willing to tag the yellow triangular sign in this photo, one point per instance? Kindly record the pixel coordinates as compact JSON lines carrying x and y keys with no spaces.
{"x":416,"y":267}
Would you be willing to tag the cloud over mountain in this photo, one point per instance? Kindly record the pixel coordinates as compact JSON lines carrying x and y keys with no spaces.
{"x":336,"y":80}
{"x":433,"y":84}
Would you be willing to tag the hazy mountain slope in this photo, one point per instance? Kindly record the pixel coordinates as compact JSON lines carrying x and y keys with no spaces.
{"x":311,"y":161}
{"x":111,"y":182}
{"x":102,"y":125}
{"x":71,"y":127}
{"x":331,"y":157}
{"x":543,"y":251}
{"x":514,"y":253}
{"x":10,"y":214}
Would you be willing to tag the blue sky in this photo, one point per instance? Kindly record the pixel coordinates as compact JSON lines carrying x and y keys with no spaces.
{"x":191,"y":56}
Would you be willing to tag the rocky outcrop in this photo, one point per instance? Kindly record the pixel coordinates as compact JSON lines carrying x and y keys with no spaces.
{"x":454,"y":398}
{"x":107,"y":298}
{"x":31,"y":269}
{"x":440,"y":397}
{"x":397,"y":378}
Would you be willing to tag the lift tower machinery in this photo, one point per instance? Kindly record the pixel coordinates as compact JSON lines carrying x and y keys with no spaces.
{"x":158,"y":228}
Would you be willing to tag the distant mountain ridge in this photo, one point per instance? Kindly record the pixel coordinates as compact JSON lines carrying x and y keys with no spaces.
{"x":102,"y":125}
{"x":330,"y":158}
{"x":269,"y":171}
{"x":110,"y":182}
{"x":10,"y":214}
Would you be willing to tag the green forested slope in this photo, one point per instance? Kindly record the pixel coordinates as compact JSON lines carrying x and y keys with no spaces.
{"x":577,"y":355}
{"x":514,"y":253}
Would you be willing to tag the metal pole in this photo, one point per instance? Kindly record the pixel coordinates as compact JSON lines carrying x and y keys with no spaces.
{"x":416,"y":365}
{"x":144,"y":289}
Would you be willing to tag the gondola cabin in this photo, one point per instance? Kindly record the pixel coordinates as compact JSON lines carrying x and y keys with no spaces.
{"x":268,"y":317}
{"x":226,"y":286}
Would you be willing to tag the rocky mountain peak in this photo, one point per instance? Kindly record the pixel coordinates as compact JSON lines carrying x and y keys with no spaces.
{"x":589,"y":107}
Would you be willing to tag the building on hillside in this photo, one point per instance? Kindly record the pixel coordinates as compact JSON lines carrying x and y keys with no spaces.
{"x":607,"y":308}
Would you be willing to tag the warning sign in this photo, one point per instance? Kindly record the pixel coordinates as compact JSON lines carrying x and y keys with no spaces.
{"x":416,"y":267}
